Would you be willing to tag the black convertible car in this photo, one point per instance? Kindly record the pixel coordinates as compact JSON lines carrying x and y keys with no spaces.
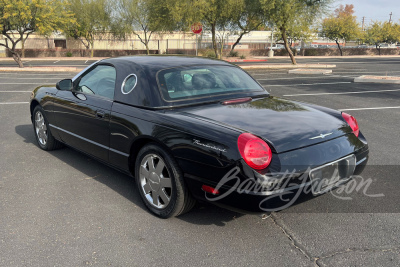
{"x":192,"y":129}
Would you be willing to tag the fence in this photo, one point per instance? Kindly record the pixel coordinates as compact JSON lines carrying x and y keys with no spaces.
{"x":109,"y":47}
{"x":162,"y":44}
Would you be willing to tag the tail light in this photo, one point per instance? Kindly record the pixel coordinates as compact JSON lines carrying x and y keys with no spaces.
{"x":352,"y":122}
{"x":255,"y":152}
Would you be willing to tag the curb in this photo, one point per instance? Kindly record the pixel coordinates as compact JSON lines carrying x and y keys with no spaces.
{"x":287,"y":66}
{"x":41,"y":69}
{"x":355,"y":56}
{"x":53,"y":58}
{"x":245,"y":60}
{"x":363,"y":79}
{"x":310,"y":71}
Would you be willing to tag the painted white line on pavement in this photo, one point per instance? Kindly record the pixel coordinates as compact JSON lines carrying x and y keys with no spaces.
{"x":11,"y":103}
{"x":56,"y":61}
{"x":372,"y":62}
{"x":342,"y":76}
{"x":21,"y":83}
{"x":29,"y":78}
{"x":86,"y":61}
{"x":269,"y":70}
{"x":303,"y":84}
{"x":345,"y":93}
{"x":35,"y":73}
{"x":15,"y":91}
{"x":349,"y":109}
{"x":296,"y":78}
{"x":365,"y":72}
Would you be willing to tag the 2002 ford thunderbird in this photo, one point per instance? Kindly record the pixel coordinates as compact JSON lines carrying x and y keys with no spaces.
{"x":192,"y":129}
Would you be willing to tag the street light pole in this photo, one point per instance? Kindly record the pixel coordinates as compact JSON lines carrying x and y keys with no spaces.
{"x":272,"y":37}
{"x":271,"y":52}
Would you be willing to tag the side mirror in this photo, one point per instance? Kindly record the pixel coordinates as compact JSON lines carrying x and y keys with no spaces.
{"x":64,"y":85}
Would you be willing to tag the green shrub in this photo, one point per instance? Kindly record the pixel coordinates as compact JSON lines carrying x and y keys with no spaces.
{"x":311,"y":52}
{"x":69,"y":54}
{"x":209,"y":54}
{"x":233,"y":54}
{"x":242,"y":56}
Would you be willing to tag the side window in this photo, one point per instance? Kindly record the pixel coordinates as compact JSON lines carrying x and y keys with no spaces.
{"x":99,"y":81}
{"x":129,"y":84}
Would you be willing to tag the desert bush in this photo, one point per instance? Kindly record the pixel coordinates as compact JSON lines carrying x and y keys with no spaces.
{"x":233,"y":54}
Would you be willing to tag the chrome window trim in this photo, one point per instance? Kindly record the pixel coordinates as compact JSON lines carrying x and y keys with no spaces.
{"x":123,"y":84}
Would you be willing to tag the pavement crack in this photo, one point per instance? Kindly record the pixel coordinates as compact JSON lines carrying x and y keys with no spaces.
{"x":349,"y":250}
{"x":294,"y":242}
{"x":316,"y":259}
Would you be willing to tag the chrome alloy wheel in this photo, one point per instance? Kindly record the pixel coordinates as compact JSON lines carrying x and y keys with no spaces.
{"x":155,"y":181}
{"x":40,"y":128}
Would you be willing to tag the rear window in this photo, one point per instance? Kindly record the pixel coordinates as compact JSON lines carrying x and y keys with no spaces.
{"x":204,"y":81}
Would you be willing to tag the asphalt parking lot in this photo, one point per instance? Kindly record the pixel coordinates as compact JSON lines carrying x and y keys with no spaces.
{"x":65,"y":209}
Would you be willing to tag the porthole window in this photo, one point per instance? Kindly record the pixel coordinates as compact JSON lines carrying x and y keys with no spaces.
{"x":129,"y":84}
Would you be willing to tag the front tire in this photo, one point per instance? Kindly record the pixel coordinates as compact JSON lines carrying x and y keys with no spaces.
{"x":44,"y":138}
{"x":160,"y":183}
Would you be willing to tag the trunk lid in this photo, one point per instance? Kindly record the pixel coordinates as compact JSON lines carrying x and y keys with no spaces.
{"x":285,"y":124}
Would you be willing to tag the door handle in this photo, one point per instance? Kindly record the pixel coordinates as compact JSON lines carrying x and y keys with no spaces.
{"x":100,"y":114}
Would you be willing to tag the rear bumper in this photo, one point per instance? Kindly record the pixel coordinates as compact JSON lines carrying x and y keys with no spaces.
{"x":245,"y":194}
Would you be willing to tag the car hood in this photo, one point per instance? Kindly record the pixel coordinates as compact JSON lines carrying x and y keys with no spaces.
{"x":285,"y":124}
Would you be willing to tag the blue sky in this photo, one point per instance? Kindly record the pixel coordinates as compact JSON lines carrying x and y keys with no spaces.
{"x":374,"y":10}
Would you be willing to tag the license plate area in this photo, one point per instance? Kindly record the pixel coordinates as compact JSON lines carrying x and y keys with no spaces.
{"x":332,"y":174}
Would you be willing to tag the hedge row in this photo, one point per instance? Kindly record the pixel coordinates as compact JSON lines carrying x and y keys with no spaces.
{"x":330,"y":52}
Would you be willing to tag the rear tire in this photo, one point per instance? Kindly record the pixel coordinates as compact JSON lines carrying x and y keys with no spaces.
{"x":160,"y":183}
{"x":44,"y":138}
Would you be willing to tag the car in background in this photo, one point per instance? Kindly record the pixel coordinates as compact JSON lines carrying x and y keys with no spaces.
{"x":276,"y":47}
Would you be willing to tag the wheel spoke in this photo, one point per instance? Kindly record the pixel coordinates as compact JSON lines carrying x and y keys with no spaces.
{"x":44,"y":138}
{"x":150,"y":162}
{"x":146,"y":188}
{"x":41,"y":135}
{"x":154,"y":195}
{"x":164,"y":197}
{"x":165,"y":182}
{"x":160,"y":167}
{"x":44,"y":127}
{"x":144,"y":172}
